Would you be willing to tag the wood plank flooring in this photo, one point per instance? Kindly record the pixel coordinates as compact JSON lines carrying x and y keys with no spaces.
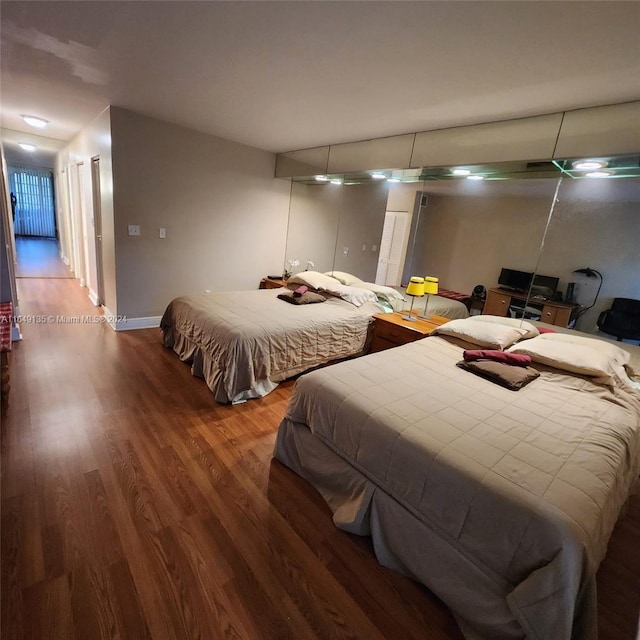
{"x":39,"y":258}
{"x":134,"y":506}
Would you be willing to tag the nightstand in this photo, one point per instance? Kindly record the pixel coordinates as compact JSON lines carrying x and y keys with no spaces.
{"x":391,"y":330}
{"x":272,"y":283}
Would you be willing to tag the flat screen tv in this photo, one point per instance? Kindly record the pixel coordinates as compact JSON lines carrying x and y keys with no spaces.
{"x":515,"y":280}
{"x":544,"y":286}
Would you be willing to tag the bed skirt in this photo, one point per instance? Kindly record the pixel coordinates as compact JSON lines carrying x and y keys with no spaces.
{"x":202,"y":366}
{"x":483,"y":603}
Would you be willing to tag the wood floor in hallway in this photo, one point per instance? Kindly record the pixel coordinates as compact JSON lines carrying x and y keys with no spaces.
{"x":39,"y":258}
{"x":135,"y":506}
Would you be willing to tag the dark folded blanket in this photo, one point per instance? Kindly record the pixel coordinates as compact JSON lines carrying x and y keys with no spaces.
{"x":507,"y":375}
{"x":519,"y":359}
{"x":308,"y":297}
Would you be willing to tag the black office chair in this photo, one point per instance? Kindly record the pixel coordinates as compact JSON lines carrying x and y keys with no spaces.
{"x":622,"y":320}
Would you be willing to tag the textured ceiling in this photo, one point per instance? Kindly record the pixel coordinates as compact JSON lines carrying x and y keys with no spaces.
{"x":291,"y":75}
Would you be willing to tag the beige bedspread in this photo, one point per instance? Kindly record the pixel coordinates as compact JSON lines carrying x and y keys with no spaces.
{"x":501,"y":502}
{"x":244,"y":343}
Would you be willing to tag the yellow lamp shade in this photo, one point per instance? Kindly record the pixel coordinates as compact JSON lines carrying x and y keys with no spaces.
{"x":415,"y":286}
{"x":430,"y":284}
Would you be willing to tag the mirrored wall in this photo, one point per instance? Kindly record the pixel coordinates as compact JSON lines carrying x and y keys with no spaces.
{"x":464,"y":224}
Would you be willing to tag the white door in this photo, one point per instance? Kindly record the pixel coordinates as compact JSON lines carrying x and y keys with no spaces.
{"x":392,"y":246}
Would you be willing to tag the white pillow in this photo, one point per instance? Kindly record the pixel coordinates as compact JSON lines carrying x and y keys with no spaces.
{"x":313,"y":279}
{"x":354,"y":295}
{"x":531,"y":330}
{"x":491,"y":335}
{"x":607,"y":348}
{"x":344,"y":278}
{"x":569,"y":355}
{"x":389,"y":294}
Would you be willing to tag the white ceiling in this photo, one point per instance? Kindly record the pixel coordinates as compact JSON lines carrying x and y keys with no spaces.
{"x":292,"y":75}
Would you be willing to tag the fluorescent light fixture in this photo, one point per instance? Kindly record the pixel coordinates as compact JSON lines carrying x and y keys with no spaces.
{"x":461,"y":172}
{"x":336,"y":181}
{"x":321,"y":178}
{"x":393,"y":180}
{"x":589,"y":165}
{"x":378,"y":176}
{"x":598,"y":174}
{"x":475,"y":177}
{"x":34,"y":121}
{"x":27,"y":147}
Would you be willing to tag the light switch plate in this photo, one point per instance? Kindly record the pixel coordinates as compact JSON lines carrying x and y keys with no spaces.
{"x":162,"y":233}
{"x":134,"y":229}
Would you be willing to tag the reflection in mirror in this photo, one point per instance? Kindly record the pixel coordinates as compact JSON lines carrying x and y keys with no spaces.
{"x":338,"y":222}
{"x":593,"y":242}
{"x":465,"y":224}
{"x":314,"y":221}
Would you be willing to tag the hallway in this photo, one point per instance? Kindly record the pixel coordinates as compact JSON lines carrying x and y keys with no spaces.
{"x":39,"y":258}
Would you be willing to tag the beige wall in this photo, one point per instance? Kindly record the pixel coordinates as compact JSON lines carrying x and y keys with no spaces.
{"x":94,"y":140}
{"x":361,"y":223}
{"x":314,"y":216}
{"x":224,"y":212}
{"x":596,"y":224}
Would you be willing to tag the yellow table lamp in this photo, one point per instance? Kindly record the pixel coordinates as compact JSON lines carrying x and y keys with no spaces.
{"x":430,"y":286}
{"x":415,"y":289}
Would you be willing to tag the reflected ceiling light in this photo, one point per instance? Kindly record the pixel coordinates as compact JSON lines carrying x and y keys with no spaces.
{"x":321,"y":178}
{"x":598,"y":174}
{"x":39,"y":123}
{"x":461,"y":172}
{"x":588,"y":165}
{"x":336,"y":181}
{"x":378,"y":176}
{"x":27,"y":147}
{"x":393,"y":180}
{"x":475,"y":177}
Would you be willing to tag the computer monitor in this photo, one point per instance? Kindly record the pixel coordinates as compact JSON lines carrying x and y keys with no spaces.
{"x":544,"y":286}
{"x":515,"y":280}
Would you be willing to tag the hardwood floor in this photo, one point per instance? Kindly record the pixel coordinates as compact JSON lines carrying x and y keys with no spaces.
{"x":39,"y":258}
{"x":134,"y":506}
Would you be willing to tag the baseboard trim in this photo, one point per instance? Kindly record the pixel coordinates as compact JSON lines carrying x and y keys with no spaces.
{"x":129,"y":324}
{"x":93,"y":296}
{"x":123,"y":323}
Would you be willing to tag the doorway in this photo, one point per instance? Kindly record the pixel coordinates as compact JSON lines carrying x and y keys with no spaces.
{"x":392,"y":247}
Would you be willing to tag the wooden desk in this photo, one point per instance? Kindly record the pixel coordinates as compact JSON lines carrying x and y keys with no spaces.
{"x":391,"y":330}
{"x":558,"y":313}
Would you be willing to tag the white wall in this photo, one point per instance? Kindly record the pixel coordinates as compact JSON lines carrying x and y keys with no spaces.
{"x":224,"y":212}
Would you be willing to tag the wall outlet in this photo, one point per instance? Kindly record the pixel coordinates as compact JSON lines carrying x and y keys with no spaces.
{"x":134,"y":229}
{"x":345,"y":251}
{"x":374,"y":247}
{"x":162,"y":233}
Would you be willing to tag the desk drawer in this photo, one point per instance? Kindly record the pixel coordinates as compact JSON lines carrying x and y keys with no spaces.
{"x":395,"y":334}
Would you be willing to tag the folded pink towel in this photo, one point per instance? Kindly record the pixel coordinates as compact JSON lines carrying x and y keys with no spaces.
{"x":519,"y":359}
{"x":300,"y":290}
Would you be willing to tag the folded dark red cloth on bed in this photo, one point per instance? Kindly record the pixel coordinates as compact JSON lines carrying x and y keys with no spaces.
{"x":302,"y":289}
{"x":519,"y":359}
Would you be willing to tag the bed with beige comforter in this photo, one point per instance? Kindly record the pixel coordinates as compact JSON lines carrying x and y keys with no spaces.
{"x":243,"y":343}
{"x":501,"y":502}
